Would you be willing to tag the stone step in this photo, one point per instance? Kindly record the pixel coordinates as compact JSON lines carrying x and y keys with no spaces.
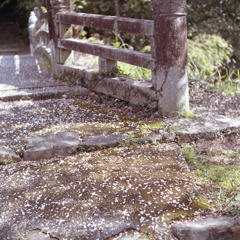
{"x":9,"y":51}
{"x":42,"y":93}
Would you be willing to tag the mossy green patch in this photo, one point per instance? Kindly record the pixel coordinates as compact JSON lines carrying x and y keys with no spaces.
{"x":144,"y":183}
{"x":220,"y":181}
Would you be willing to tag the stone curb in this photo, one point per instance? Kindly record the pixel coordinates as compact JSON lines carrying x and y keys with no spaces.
{"x":43,"y":93}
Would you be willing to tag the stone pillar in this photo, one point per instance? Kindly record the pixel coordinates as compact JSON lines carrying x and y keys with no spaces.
{"x":31,"y":24}
{"x":169,"y":48}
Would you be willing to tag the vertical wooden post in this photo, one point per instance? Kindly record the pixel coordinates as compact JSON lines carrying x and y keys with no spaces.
{"x":106,"y":65}
{"x":170,"y":78}
{"x":64,"y":55}
{"x":57,"y":30}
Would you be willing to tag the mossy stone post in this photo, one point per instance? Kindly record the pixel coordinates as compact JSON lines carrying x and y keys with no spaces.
{"x":56,"y":30}
{"x":169,"y":45}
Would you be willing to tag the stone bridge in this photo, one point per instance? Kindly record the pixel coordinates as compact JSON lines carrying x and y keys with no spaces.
{"x":51,"y":34}
{"x":71,"y":171}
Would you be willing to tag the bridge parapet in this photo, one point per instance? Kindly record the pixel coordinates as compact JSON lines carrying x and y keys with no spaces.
{"x":39,"y":33}
{"x":168,"y":89}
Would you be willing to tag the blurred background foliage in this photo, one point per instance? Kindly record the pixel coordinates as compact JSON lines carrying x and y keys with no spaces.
{"x":219,"y":17}
{"x":213,"y":31}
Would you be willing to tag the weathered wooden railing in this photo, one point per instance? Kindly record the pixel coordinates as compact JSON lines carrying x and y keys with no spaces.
{"x":168,"y":90}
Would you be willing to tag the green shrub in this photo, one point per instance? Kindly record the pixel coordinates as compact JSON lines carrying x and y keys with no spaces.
{"x":207,"y":54}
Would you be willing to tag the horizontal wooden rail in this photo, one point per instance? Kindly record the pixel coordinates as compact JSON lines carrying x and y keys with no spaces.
{"x":168,"y":90}
{"x":118,"y":24}
{"x":109,"y":52}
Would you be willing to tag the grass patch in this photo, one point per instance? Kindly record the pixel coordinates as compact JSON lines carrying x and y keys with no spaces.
{"x":229,"y":82}
{"x":220,"y":183}
{"x":150,"y":127}
{"x":8,"y":162}
{"x":135,"y":72}
{"x":224,"y":153}
{"x":188,"y":114}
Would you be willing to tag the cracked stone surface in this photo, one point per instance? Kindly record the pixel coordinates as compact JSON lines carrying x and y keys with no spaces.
{"x":60,"y":144}
{"x":96,"y":195}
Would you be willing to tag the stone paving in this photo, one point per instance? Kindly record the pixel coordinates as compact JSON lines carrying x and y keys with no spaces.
{"x":124,"y":188}
{"x":23,"y":77}
{"x":95,"y":195}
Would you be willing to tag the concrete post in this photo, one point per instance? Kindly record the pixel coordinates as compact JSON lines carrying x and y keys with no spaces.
{"x":31,"y":24}
{"x":55,"y":31}
{"x":170,"y":50}
{"x":106,"y":65}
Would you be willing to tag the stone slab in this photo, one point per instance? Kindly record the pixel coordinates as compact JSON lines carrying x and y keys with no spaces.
{"x":206,"y":125}
{"x":157,"y":232}
{"x":96,"y":195}
{"x":6,"y":154}
{"x":224,"y":228}
{"x":60,"y":144}
{"x":162,"y":136}
{"x":130,"y":235}
{"x":102,"y":140}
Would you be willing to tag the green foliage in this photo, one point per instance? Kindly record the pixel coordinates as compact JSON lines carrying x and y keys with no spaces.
{"x":128,"y":8}
{"x":229,"y":82}
{"x":146,"y":49}
{"x":81,"y":148}
{"x":216,"y":17}
{"x":207,"y":54}
{"x":135,"y":72}
{"x":8,"y":162}
{"x":189,"y":153}
{"x":4,"y":3}
{"x":222,"y":180}
{"x":188,"y":114}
